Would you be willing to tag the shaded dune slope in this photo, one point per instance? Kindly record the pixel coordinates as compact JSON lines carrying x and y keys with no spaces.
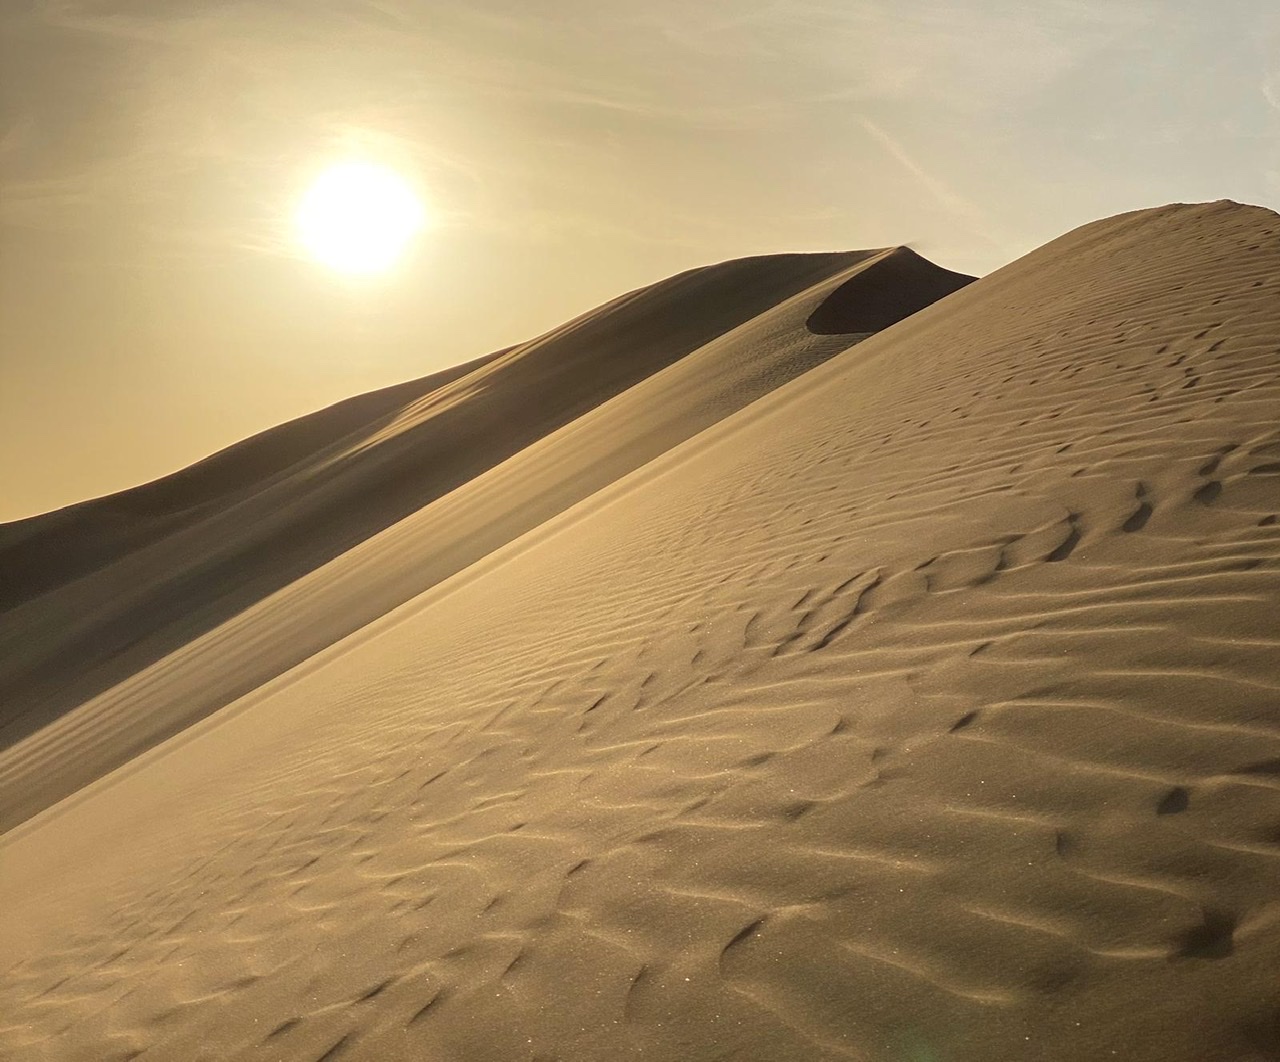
{"x":894,"y":288}
{"x":109,"y":637}
{"x":924,"y":708}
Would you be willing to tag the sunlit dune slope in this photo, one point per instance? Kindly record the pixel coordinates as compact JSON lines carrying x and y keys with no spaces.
{"x":924,"y":708}
{"x":236,"y":531}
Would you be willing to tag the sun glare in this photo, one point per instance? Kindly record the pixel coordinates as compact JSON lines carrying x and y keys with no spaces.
{"x":359,"y":217}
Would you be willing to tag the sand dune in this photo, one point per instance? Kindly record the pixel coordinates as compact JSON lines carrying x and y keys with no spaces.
{"x":921,"y":706}
{"x":228,"y":534}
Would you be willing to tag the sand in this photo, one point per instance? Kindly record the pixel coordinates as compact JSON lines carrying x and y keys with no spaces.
{"x":168,"y":628}
{"x":809,"y":695}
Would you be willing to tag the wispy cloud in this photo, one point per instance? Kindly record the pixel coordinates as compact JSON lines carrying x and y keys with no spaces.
{"x":1270,"y":88}
{"x":962,"y":209}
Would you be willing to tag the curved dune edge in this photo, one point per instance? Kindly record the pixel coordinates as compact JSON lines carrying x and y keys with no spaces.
{"x":892,"y":288}
{"x":925,"y":707}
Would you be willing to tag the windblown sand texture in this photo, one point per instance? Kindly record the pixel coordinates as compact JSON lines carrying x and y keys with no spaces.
{"x":924,"y":706}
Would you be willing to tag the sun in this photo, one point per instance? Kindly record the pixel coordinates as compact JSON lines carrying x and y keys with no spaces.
{"x":359,"y":217}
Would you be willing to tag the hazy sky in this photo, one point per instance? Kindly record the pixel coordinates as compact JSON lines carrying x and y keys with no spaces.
{"x":154,"y":306}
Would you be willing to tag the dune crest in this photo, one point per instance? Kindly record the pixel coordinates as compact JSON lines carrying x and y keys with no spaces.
{"x":923,"y":707}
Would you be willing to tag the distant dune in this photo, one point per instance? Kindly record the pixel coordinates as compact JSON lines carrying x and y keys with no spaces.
{"x":807,"y":657}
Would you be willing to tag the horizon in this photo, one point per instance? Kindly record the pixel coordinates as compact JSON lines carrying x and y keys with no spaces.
{"x":155,"y":308}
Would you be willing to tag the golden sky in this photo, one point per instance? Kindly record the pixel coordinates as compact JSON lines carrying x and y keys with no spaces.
{"x":155,"y":304}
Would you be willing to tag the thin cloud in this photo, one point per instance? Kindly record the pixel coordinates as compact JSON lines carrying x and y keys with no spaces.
{"x":952,"y":201}
{"x":1271,"y":90}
